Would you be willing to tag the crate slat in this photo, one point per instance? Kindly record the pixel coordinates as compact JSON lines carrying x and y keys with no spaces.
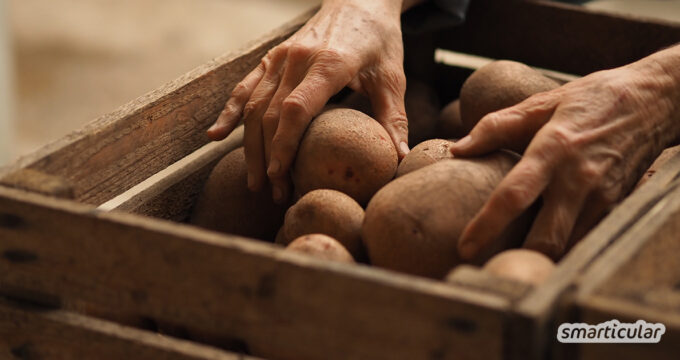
{"x":272,"y":300}
{"x":33,"y":333}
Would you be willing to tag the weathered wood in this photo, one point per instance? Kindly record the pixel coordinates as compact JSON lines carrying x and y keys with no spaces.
{"x":637,"y":278}
{"x":473,"y":277}
{"x":34,"y":333}
{"x":39,"y":182}
{"x":171,"y":193}
{"x":280,"y":304}
{"x":662,"y":159}
{"x":532,"y":327}
{"x":557,"y":36}
{"x":601,"y":309}
{"x":118,"y":150}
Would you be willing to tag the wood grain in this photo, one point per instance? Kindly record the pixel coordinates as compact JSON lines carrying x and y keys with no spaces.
{"x":555,"y":36}
{"x":33,"y":333}
{"x":118,"y":150}
{"x":282,"y":305}
{"x":171,"y":193}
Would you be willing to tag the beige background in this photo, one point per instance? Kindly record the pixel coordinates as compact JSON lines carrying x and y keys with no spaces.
{"x":75,"y":60}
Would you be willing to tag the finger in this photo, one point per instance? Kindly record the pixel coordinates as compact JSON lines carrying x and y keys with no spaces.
{"x":233,"y":109}
{"x":510,"y":128}
{"x":387,"y":100}
{"x":295,"y":67}
{"x":554,"y":224}
{"x":515,"y":193}
{"x":293,"y":75}
{"x":297,"y":110}
{"x":252,"y":117}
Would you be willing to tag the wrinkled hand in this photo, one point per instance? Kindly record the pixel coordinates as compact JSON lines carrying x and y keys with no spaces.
{"x":351,"y":43}
{"x":585,"y":145}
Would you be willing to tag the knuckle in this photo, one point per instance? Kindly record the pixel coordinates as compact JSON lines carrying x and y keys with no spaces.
{"x":564,"y":141}
{"x":295,"y":106}
{"x":240,"y":92}
{"x":299,"y":52}
{"x":270,"y":118}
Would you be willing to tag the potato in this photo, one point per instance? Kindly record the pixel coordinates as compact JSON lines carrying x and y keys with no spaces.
{"x":422,"y":110}
{"x":327,"y":212}
{"x":421,"y":103}
{"x":450,"y":123}
{"x":345,"y":150}
{"x":320,"y":246}
{"x":413,"y":224}
{"x":426,"y":153}
{"x":499,"y":85}
{"x":523,"y":265}
{"x":226,"y":205}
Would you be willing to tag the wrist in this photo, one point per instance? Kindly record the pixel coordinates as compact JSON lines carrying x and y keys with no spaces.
{"x":662,"y":69}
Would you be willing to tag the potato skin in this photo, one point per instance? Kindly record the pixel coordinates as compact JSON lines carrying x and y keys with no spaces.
{"x":320,"y":246}
{"x":426,"y":153}
{"x":413,"y":224}
{"x":499,"y":85}
{"x":327,"y":212}
{"x":345,"y":150}
{"x":226,"y":205}
{"x":523,"y":265}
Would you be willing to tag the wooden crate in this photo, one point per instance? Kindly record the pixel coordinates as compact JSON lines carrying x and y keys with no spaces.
{"x":638,"y":278}
{"x":90,"y":229}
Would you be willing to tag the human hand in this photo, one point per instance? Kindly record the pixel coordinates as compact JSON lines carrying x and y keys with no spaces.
{"x":347,"y":43}
{"x":586,"y":144}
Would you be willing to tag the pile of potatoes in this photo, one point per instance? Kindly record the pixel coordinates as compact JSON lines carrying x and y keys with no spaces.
{"x":356,"y":202}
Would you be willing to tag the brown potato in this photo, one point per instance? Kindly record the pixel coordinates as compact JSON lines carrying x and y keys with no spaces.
{"x":450,"y":123}
{"x":523,"y":265}
{"x":327,"y":212}
{"x":426,"y":153}
{"x":345,"y":150}
{"x":320,"y":246}
{"x":499,"y":85}
{"x":226,"y":205}
{"x":413,"y":224}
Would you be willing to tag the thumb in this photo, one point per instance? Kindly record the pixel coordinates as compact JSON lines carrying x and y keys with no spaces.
{"x":390,"y":112}
{"x":511,"y":128}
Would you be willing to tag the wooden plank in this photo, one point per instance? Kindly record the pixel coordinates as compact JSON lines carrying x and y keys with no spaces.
{"x":280,"y":304}
{"x":561,"y":37}
{"x":473,"y":277}
{"x":601,"y":309}
{"x":120,"y":149}
{"x":532,"y":327}
{"x":637,"y":278}
{"x":171,"y":193}
{"x":34,"y":333}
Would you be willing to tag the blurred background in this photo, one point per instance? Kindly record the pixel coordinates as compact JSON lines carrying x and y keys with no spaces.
{"x":66,"y":62}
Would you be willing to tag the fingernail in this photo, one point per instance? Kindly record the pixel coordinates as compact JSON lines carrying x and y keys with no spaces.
{"x":274,"y":167}
{"x":251,"y":181}
{"x":213,"y":127}
{"x":404,"y":148}
{"x":277,"y":194}
{"x":462,"y":143}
